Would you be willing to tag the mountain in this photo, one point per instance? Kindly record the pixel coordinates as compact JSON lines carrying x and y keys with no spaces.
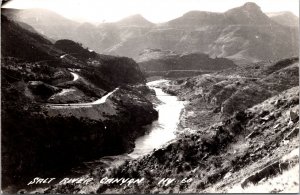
{"x":134,"y":20}
{"x":62,"y":104}
{"x":248,"y":14}
{"x":166,"y":63}
{"x":243,"y":34}
{"x":284,"y":18}
{"x":21,"y":43}
{"x":46,"y":22}
{"x":195,"y":19}
{"x":238,"y":132}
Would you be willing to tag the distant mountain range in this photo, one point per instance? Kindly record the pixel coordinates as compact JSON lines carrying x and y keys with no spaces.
{"x":243,"y":34}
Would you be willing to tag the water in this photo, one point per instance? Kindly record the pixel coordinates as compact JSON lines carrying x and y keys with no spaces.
{"x":159,"y":133}
{"x":162,"y":130}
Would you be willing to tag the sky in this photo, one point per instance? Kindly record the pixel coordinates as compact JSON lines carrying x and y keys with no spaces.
{"x":157,"y":11}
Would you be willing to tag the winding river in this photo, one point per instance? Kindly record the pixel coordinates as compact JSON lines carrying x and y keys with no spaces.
{"x":159,"y":133}
{"x":162,"y":130}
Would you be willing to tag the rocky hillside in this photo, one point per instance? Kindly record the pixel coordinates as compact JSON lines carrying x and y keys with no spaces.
{"x":38,"y":18}
{"x":243,"y":34}
{"x":103,"y":70}
{"x":48,"y":92}
{"x":163,"y":63}
{"x":219,"y":34}
{"x":221,"y":157}
{"x":108,"y":71}
{"x":252,"y":147}
{"x":284,"y":18}
{"x":21,"y":43}
{"x":236,"y":89}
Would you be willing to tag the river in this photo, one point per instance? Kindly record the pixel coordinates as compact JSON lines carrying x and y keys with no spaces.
{"x":162,"y":130}
{"x":158,"y":133}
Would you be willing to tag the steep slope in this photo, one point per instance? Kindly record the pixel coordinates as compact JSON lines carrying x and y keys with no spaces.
{"x":134,"y":20}
{"x":24,"y":44}
{"x":48,"y":140}
{"x":248,"y":14}
{"x":249,"y":150}
{"x":196,"y":19}
{"x":104,"y":70}
{"x":237,"y":89}
{"x":255,"y":43}
{"x":243,"y":34}
{"x":21,"y":43}
{"x":217,"y":157}
{"x":284,"y":18}
{"x":167,"y":63}
{"x":47,"y":23}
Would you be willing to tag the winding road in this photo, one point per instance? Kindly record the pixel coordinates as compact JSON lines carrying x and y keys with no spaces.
{"x":75,"y":76}
{"x":102,"y":100}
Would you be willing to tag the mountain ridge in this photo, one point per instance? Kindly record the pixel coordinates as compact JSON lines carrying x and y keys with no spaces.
{"x":244,"y":34}
{"x":134,"y":20}
{"x":284,"y":18}
{"x":156,"y":62}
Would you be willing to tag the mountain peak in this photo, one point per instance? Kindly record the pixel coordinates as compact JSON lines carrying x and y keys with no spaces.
{"x":251,"y":6}
{"x":249,"y":13}
{"x":135,"y":20}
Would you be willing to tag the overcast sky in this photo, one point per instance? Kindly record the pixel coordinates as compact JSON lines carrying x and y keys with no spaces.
{"x":154,"y":10}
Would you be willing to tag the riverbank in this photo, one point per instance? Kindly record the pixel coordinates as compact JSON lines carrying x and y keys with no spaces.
{"x":159,"y":133}
{"x":239,"y":131}
{"x":163,"y":130}
{"x":248,"y":149}
{"x":60,"y":139}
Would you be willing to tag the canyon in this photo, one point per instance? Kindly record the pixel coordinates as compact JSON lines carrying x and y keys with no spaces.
{"x":204,"y":103}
